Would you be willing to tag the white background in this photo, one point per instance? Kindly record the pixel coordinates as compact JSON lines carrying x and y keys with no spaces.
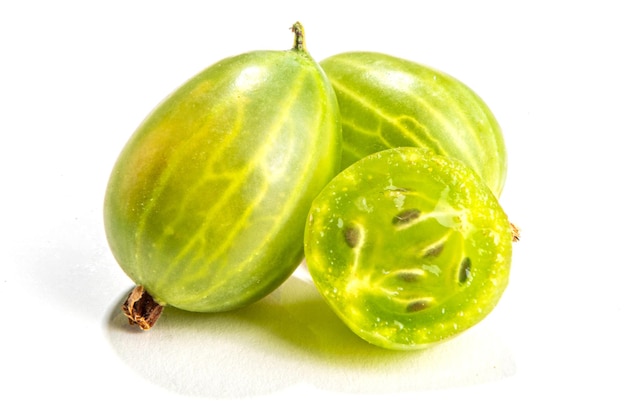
{"x":76,"y":78}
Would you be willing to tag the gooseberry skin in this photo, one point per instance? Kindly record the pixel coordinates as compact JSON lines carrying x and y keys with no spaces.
{"x":409,"y":248}
{"x":388,"y":102}
{"x":206,"y":205}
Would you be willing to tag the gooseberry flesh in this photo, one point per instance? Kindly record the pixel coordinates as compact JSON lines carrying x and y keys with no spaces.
{"x":408,"y":248}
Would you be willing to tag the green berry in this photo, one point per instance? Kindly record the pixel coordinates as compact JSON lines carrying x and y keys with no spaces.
{"x":206,"y":205}
{"x":388,"y":102}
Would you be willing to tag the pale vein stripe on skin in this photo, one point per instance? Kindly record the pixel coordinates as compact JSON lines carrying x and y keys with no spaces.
{"x":175,"y":158}
{"x":224,"y":198}
{"x":190,"y":196}
{"x":384,"y":117}
{"x":286,"y":207}
{"x":435,"y":112}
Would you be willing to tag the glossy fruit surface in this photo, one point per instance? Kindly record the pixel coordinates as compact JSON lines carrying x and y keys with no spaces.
{"x":207,"y":203}
{"x":388,"y":102}
{"x":408,"y":247}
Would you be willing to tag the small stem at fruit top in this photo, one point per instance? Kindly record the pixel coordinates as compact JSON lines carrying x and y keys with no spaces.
{"x":298,"y":43}
{"x":141,"y":309}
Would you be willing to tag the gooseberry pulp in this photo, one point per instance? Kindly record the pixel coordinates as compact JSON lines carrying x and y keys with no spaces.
{"x":206,"y":205}
{"x":408,"y":247}
{"x":388,"y":102}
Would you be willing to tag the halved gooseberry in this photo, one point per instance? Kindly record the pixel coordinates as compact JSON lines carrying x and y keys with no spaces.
{"x":409,"y":248}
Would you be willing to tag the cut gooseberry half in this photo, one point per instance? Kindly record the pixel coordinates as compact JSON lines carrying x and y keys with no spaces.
{"x":409,"y":248}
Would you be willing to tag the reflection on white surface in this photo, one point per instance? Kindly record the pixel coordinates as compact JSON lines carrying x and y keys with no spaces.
{"x":292,"y":337}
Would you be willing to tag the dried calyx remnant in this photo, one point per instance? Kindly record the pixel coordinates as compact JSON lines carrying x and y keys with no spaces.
{"x":515,"y":232}
{"x":141,"y":309}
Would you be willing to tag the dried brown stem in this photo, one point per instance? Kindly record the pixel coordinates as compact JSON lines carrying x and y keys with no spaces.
{"x":141,"y":309}
{"x":515,"y":232}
